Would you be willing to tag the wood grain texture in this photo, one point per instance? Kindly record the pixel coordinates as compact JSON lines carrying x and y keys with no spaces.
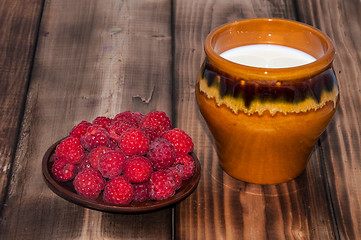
{"x":341,"y":143}
{"x":94,"y":58}
{"x":19,"y":23}
{"x":222,"y":207}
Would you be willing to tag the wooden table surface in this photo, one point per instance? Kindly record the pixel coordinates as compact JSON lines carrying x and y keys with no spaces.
{"x":63,"y":61}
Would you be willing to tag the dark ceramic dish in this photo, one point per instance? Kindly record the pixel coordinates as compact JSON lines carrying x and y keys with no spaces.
{"x":66,"y":190}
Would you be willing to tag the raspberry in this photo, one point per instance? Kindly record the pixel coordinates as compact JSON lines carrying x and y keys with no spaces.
{"x":140,"y":192}
{"x":161,"y":186}
{"x":95,"y":154}
{"x":95,"y":136}
{"x":177,"y":176}
{"x":118,"y":191}
{"x":128,"y":117}
{"x":117,"y":128}
{"x":138,"y":117}
{"x":150,"y":133}
{"x":134,"y":142}
{"x":161,"y":153}
{"x":178,"y":169}
{"x":89,"y":183}
{"x":138,"y":169}
{"x":102,"y":121}
{"x":63,"y":171}
{"x":158,"y":121}
{"x":111,"y":164}
{"x":84,"y":164}
{"x":113,"y":145}
{"x":180,"y":140}
{"x":79,"y":130}
{"x":188,"y":165}
{"x":54,"y":158}
{"x":70,"y":149}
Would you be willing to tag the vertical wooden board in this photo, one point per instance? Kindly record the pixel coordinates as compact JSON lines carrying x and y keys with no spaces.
{"x":19,"y":22}
{"x":90,"y":54}
{"x":340,"y":20}
{"x":222,"y":207}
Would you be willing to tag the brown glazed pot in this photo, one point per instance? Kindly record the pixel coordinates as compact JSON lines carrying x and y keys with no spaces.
{"x":265,"y":121}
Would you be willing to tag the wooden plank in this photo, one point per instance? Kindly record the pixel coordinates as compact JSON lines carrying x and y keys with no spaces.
{"x":342,"y":141}
{"x":222,"y":207}
{"x":19,"y":23}
{"x":94,"y":58}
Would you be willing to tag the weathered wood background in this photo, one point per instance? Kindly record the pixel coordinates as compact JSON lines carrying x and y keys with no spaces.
{"x":66,"y":61}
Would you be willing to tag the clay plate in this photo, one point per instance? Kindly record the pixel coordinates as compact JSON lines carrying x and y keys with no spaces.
{"x":67,"y":191}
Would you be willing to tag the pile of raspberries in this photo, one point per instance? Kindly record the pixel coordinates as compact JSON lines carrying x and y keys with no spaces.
{"x":132,"y":157}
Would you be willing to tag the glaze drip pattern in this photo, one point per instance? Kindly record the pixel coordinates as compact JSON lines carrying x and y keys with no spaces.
{"x":275,"y":96}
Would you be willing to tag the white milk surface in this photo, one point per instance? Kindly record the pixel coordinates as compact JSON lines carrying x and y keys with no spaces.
{"x":267,"y":56}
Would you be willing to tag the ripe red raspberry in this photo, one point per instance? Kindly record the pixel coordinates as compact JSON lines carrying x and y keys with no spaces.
{"x":138,"y":117}
{"x":158,"y":121}
{"x":113,"y":145}
{"x":150,"y":133}
{"x":117,"y":128}
{"x":71,"y":150}
{"x":63,"y":171}
{"x":140,"y":192}
{"x":134,"y":142}
{"x":118,"y":191}
{"x":89,"y":183}
{"x":180,"y":140}
{"x":128,"y":117}
{"x":178,"y":169}
{"x":188,"y":165}
{"x":102,"y":121}
{"x":177,"y":176}
{"x":95,"y":136}
{"x":95,"y":154}
{"x":84,"y":164}
{"x":79,"y":130}
{"x":138,"y":169}
{"x":161,"y":186}
{"x":111,"y":164}
{"x":161,"y":153}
